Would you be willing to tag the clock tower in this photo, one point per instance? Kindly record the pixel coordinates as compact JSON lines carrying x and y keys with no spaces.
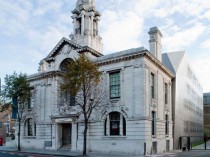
{"x":86,"y":19}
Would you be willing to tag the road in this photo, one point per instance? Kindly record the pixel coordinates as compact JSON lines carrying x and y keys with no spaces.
{"x":192,"y":153}
{"x":17,"y":154}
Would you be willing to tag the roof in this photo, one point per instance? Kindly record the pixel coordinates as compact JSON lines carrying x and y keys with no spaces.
{"x":172,"y":60}
{"x":121,"y":54}
{"x":89,"y":49}
{"x":131,"y":54}
{"x":59,"y":46}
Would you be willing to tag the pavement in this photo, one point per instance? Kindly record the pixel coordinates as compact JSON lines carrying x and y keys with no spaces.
{"x":63,"y":153}
{"x":202,"y":146}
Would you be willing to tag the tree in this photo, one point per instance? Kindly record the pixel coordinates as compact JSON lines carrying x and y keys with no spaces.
{"x":16,"y":91}
{"x":82,"y":80}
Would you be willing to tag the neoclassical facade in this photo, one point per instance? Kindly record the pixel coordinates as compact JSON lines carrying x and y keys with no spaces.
{"x":137,"y":115}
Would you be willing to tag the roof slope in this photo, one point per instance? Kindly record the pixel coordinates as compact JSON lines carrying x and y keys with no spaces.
{"x":172,"y":60}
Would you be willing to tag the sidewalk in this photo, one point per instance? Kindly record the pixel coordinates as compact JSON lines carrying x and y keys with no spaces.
{"x":71,"y":153}
{"x":43,"y":151}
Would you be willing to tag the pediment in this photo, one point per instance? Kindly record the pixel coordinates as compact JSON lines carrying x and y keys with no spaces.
{"x":63,"y":45}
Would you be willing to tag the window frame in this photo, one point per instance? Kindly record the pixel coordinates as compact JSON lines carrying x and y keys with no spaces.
{"x":167,"y":124}
{"x":120,"y":122}
{"x":115,"y":87}
{"x":30,"y":128}
{"x":166,"y":93}
{"x":152,"y":85}
{"x":153,"y":124}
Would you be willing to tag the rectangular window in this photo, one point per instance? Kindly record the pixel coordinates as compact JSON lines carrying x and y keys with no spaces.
{"x":152,"y":85}
{"x":153,"y":123}
{"x":114,"y":123}
{"x":154,"y":147}
{"x":30,"y":133}
{"x":167,"y":125}
{"x":166,"y":93}
{"x":114,"y":81}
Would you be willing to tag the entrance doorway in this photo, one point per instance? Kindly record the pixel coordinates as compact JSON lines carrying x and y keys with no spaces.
{"x":66,"y":135}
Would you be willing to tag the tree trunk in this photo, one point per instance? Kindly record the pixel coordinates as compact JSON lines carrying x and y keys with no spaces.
{"x":85,"y":138}
{"x":19,"y":134}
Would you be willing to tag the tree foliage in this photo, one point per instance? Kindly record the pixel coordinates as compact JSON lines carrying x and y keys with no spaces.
{"x":16,"y":92}
{"x":82,"y":80}
{"x":16,"y":86}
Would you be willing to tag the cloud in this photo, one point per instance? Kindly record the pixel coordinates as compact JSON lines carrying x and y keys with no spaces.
{"x":206,"y":44}
{"x":204,"y":72}
{"x":45,"y":6}
{"x":183,"y":38}
{"x":121,"y":32}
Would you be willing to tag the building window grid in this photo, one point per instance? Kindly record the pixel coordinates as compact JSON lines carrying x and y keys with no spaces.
{"x":114,"y":123}
{"x":166,"y":93}
{"x":152,"y":86}
{"x":114,"y":85}
{"x":153,"y":123}
{"x":167,"y":125}
{"x":117,"y":124}
{"x":30,"y":127}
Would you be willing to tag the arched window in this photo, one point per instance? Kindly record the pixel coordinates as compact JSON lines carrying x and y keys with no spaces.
{"x":64,"y":64}
{"x":115,"y":124}
{"x":30,"y":127}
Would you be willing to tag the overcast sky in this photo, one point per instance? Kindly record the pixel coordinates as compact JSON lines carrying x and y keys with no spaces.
{"x":31,"y":28}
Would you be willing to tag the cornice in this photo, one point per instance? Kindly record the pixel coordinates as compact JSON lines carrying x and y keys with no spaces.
{"x":43,"y":75}
{"x":121,"y":58}
{"x":143,"y":53}
{"x":59,"y":46}
{"x":88,"y":49}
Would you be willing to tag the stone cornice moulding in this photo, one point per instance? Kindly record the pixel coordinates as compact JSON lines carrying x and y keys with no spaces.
{"x":43,"y":75}
{"x":143,"y":53}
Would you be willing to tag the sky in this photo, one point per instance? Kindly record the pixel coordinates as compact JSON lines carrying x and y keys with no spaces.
{"x":31,"y":28}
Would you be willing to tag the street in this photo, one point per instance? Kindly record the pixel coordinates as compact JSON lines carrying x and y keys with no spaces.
{"x":18,"y":154}
{"x":192,"y":153}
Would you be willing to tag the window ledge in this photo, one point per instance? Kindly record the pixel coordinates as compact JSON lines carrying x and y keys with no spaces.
{"x":114,"y":137}
{"x":114,"y":99}
{"x":29,"y":137}
{"x":154,"y":136}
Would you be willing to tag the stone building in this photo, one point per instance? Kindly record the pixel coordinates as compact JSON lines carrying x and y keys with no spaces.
{"x":137,"y":118}
{"x":206,"y":108}
{"x":187,"y":99}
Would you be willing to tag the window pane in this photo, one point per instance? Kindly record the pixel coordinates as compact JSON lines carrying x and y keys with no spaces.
{"x":152,"y":85}
{"x":114,"y":123}
{"x":153,"y":123}
{"x":115,"y":85}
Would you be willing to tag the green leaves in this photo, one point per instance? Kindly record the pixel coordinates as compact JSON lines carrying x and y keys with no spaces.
{"x":16,"y":86}
{"x":80,"y":76}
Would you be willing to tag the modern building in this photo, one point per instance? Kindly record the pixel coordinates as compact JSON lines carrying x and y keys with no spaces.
{"x":137,"y":118}
{"x":206,"y":108}
{"x":187,"y":99}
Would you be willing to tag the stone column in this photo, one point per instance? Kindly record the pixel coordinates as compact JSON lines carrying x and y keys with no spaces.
{"x":74,"y":137}
{"x":121,"y":124}
{"x":108,"y":126}
{"x":91,"y":23}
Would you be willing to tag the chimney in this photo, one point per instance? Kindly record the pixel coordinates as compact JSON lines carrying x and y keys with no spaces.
{"x":155,"y":42}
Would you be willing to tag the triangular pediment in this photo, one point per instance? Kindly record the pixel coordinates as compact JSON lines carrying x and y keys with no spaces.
{"x":60,"y":45}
